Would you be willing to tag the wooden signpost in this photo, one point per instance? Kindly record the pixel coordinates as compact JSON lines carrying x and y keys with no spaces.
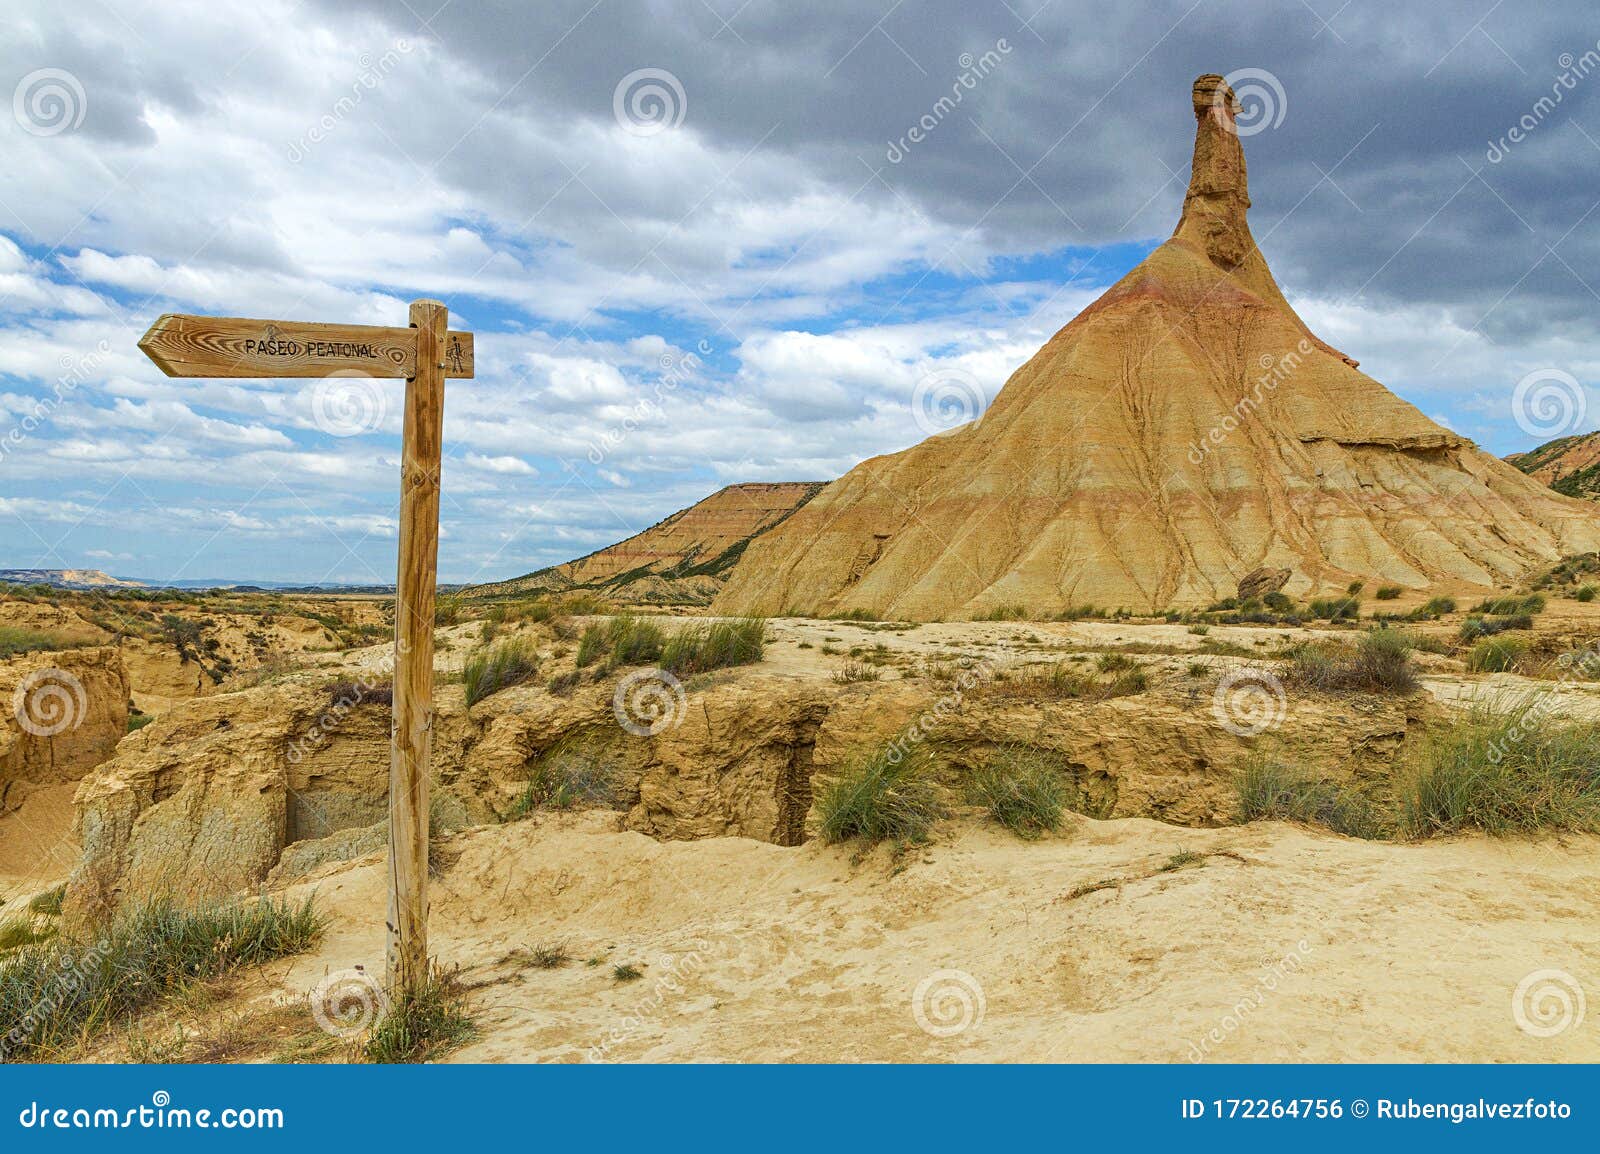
{"x":425,"y":355}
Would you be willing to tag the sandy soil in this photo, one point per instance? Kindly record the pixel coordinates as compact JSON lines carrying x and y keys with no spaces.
{"x":1288,"y":944}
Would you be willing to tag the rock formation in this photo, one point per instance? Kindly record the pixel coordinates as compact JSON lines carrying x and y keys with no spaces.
{"x":1185,"y":429}
{"x":682,"y":560}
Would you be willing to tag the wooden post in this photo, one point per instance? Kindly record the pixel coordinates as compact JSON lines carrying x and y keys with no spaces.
{"x":417,"y":575}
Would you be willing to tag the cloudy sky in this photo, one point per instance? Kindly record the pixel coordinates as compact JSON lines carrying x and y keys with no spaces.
{"x":699,"y":242}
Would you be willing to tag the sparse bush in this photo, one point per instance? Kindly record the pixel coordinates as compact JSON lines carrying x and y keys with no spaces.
{"x":551,"y":956}
{"x":1511,"y":606}
{"x":853,"y":671}
{"x":565,"y":776}
{"x":1115,"y":663}
{"x":447,"y":610}
{"x":1496,"y":655}
{"x":1277,"y":601}
{"x":509,"y":663}
{"x":140,"y":956}
{"x":1475,"y":627}
{"x":1022,"y":789}
{"x":1506,"y":772}
{"x":1335,"y":608}
{"x":1355,"y":588}
{"x":1269,"y":789}
{"x":347,"y":694}
{"x":50,"y":902}
{"x":1004,"y":613}
{"x":1199,"y":630}
{"x":702,"y":648}
{"x":1438,"y":606}
{"x":1380,"y":663}
{"x":1586,"y":593}
{"x":422,"y":1023}
{"x":626,"y":972}
{"x":887,"y":792}
{"x":14,"y":640}
{"x":1388,"y":592}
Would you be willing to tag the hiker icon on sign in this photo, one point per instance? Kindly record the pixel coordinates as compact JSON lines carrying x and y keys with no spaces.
{"x":455,"y":355}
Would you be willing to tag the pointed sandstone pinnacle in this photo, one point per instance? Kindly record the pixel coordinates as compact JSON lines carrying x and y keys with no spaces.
{"x":1183,"y":439}
{"x":1214,"y":209}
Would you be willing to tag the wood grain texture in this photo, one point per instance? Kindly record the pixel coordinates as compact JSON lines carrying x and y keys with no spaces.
{"x":182,"y":345}
{"x":416,"y":578}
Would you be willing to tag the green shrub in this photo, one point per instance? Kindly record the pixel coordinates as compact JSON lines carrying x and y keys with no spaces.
{"x":422,"y":1023}
{"x":1115,"y":663}
{"x":1438,"y":606}
{"x":1511,"y":606}
{"x":509,"y":663}
{"x":143,"y":954}
{"x":702,"y":648}
{"x":1022,"y":790}
{"x":853,"y":671}
{"x":1269,"y":789}
{"x":1277,"y":601}
{"x":1475,"y":627}
{"x":1587,"y":593}
{"x":1355,"y":588}
{"x":49,"y":903}
{"x":1388,"y":592}
{"x":16,"y":932}
{"x":1496,"y":655}
{"x":1506,"y":772}
{"x":1004,"y":613}
{"x":1199,"y":630}
{"x":568,"y":775}
{"x":887,"y":792}
{"x":1335,"y":608}
{"x":1380,"y":663}
{"x":14,"y":640}
{"x":447,"y":610}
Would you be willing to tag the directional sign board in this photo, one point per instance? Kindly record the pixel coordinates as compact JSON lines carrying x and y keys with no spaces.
{"x":190,"y":346}
{"x":424,"y":354}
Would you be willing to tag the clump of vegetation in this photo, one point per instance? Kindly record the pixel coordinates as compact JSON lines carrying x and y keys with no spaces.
{"x":852,"y":615}
{"x":853,"y":671}
{"x":1587,"y":593}
{"x":884,"y":793}
{"x":422,"y":1023}
{"x":1184,"y":857}
{"x":565,"y":776}
{"x":1272,"y":790}
{"x":501,"y":666}
{"x":447,"y":610}
{"x":702,"y":648}
{"x":56,"y":992}
{"x":1004,"y":613}
{"x":1115,"y":663}
{"x":352,"y":693}
{"x":1496,"y":655}
{"x":1057,"y":681}
{"x":1336,"y":608}
{"x":1388,"y":592}
{"x":1380,"y":663}
{"x":550,"y":956}
{"x":16,"y":932}
{"x":1506,"y":772}
{"x":14,"y":640}
{"x":1437,"y":606}
{"x":626,"y":972}
{"x":1511,"y":606}
{"x":1475,"y":627}
{"x":50,"y":902}
{"x":1022,"y":789}
{"x":1080,"y":612}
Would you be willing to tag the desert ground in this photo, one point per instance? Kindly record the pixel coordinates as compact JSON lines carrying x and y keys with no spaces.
{"x":693,"y":910}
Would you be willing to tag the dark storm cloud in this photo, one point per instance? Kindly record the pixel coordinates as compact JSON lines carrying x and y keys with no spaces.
{"x":1375,"y":187}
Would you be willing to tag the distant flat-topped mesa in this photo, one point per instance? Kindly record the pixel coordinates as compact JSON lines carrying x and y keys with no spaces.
{"x":1183,"y":430}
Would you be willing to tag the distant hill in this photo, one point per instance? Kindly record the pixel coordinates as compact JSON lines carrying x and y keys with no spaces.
{"x":67,"y":579}
{"x":682,"y":560}
{"x":1569,"y":465}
